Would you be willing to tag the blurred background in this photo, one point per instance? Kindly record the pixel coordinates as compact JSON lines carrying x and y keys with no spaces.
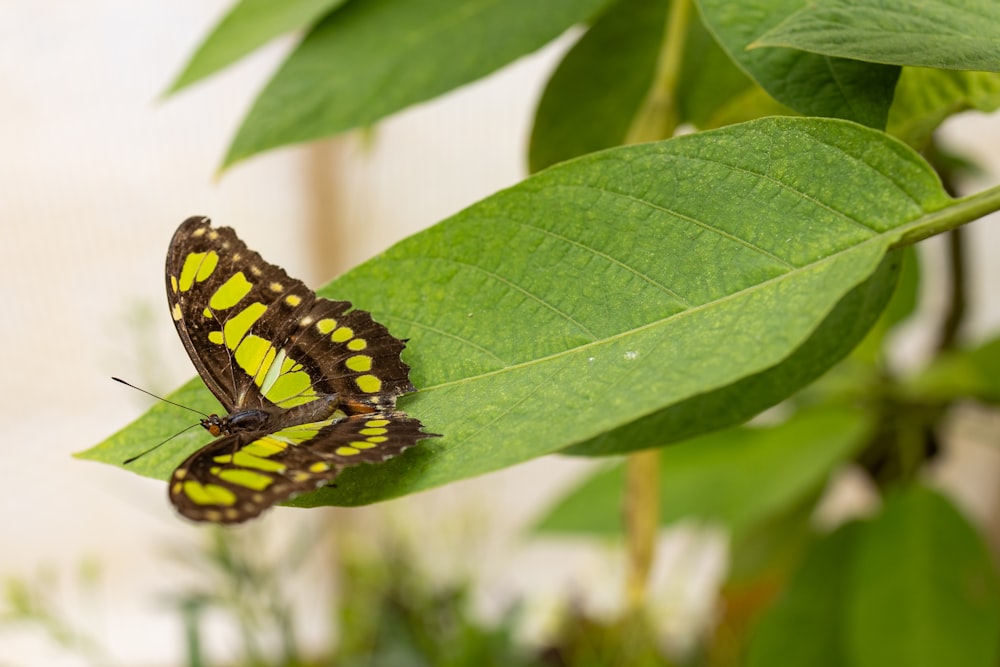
{"x":96,"y":172}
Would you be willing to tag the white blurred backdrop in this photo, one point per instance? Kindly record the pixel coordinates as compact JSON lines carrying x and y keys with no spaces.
{"x":96,"y":171}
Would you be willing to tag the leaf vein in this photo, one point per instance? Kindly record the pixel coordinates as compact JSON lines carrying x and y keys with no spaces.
{"x":805,"y":196}
{"x":649,"y":325}
{"x":710,"y":227}
{"x":534,"y":297}
{"x":617,"y":262}
{"x":446,"y":334}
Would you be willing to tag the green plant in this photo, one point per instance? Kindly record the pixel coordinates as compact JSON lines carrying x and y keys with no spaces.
{"x":629,"y":298}
{"x":240,"y":578}
{"x":386,"y":611}
{"x":39,"y":603}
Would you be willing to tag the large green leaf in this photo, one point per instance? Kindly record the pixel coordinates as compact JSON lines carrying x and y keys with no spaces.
{"x":375,"y":57}
{"x":611,"y":289}
{"x":923,"y":590}
{"x":249,"y":25}
{"x":948,"y":34}
{"x":738,"y":477}
{"x":843,"y":329}
{"x":593,"y":97}
{"x":809,"y":83}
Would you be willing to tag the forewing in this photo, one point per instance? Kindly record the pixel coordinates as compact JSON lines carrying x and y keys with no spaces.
{"x":238,"y":476}
{"x":259,"y":337}
{"x":233,"y":311}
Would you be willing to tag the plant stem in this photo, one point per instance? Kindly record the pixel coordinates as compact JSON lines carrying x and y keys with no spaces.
{"x":954,"y":215}
{"x":642,"y":518}
{"x":656,"y":119}
{"x":957,"y":259}
{"x":957,"y":267}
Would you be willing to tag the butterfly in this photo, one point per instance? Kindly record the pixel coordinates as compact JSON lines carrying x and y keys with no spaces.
{"x":309,"y":384}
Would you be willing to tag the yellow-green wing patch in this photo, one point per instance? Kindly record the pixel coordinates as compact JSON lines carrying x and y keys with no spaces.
{"x":238,"y":476}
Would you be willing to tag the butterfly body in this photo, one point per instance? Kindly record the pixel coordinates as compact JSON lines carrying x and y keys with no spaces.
{"x":309,"y":384}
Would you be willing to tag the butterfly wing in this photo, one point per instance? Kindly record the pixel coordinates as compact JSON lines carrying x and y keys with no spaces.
{"x":238,"y":476}
{"x":260,"y":338}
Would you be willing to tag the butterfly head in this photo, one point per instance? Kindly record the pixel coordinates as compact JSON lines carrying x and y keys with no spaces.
{"x":214,"y":425}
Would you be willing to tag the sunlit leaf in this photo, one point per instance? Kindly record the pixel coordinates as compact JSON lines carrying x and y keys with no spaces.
{"x":950,"y":34}
{"x":607,"y":296}
{"x":372,"y":58}
{"x":811,"y":84}
{"x":249,"y":25}
{"x":737,"y":477}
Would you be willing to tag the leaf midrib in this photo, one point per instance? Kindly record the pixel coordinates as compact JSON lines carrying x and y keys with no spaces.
{"x":663,"y":321}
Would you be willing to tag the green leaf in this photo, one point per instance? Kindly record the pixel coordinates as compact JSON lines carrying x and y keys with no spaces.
{"x":609,"y":290}
{"x":709,"y":78}
{"x":958,"y":374}
{"x":947,"y":34}
{"x":733,"y":404}
{"x":809,"y":83}
{"x":925,"y":98}
{"x":373,"y":58}
{"x":592,"y":98}
{"x":249,"y":25}
{"x":915,"y":586}
{"x":906,"y":297}
{"x":805,"y":626}
{"x":738,"y":477}
{"x":924,"y":589}
{"x":751,"y":104}
{"x":864,"y":365}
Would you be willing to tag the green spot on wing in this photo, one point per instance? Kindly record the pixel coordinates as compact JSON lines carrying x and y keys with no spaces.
{"x":246,"y":478}
{"x":230,"y":292}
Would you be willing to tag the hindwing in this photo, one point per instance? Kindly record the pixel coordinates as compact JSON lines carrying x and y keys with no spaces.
{"x":238,"y":476}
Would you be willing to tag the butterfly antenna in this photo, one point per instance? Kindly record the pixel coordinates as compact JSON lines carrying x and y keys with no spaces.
{"x":127,"y":461}
{"x":160,"y":398}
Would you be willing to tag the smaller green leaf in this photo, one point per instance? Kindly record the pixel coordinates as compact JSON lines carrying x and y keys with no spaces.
{"x":947,"y":34}
{"x":963,"y":373}
{"x":916,"y":586}
{"x":804,"y":628}
{"x":750,"y":104}
{"x":925,"y":98}
{"x":923,"y":589}
{"x":811,"y":84}
{"x":904,"y":300}
{"x":739,"y":477}
{"x":765,"y":555}
{"x":706,"y":61}
{"x":594,"y":95}
{"x":870,"y":353}
{"x":249,"y":25}
{"x":376,"y":57}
